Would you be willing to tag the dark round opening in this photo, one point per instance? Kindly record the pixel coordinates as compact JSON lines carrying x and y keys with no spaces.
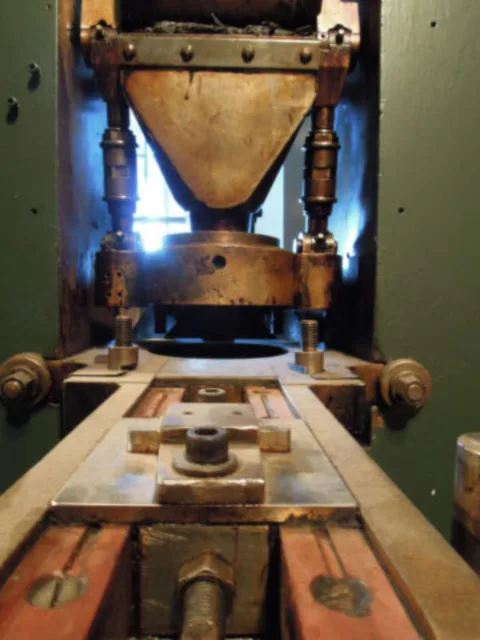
{"x":213,"y":350}
{"x":219,"y":262}
{"x":206,"y":432}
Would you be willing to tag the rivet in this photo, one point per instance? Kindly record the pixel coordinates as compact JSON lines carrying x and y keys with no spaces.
{"x":248,"y":53}
{"x":306,"y":55}
{"x":129,"y":52}
{"x":187,"y":53}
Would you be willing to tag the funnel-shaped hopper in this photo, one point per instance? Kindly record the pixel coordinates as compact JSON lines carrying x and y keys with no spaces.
{"x":220,"y":136}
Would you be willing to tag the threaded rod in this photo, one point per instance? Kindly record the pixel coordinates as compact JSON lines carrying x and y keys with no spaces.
{"x":123,"y":331}
{"x":203,"y":611}
{"x":309,"y":335}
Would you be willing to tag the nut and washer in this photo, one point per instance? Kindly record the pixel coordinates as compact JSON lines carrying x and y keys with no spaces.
{"x":405,"y":382}
{"x":206,"y":453}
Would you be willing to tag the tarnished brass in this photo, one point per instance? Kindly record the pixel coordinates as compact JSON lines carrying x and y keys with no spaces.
{"x":24,"y":381}
{"x":405,"y":382}
{"x":310,"y":357}
{"x":226,"y":268}
{"x":211,"y":139}
{"x":245,"y":484}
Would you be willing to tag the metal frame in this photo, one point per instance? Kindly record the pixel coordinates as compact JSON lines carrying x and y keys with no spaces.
{"x":127,"y":50}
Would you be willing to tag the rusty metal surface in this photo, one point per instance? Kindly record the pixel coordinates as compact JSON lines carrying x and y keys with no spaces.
{"x":316,"y":275}
{"x":208,"y":127}
{"x":221,"y":272}
{"x":114,"y":484}
{"x":193,"y":51}
{"x":218,"y":268}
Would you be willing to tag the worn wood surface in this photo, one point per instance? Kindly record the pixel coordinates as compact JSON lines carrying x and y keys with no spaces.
{"x":339,"y":553}
{"x":91,"y":555}
{"x":439,"y":586}
{"x":24,"y":506}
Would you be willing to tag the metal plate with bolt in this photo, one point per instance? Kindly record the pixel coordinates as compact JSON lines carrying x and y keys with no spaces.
{"x":24,"y":381}
{"x":213,"y":52}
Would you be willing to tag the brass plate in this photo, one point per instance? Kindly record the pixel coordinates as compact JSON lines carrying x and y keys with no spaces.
{"x":246,"y":485}
{"x":117,"y":486}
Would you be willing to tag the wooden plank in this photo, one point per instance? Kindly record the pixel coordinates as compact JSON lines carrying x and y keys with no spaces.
{"x":24,"y":505}
{"x":268,"y":403}
{"x":69,"y":552}
{"x":422,"y":563}
{"x":306,"y":555}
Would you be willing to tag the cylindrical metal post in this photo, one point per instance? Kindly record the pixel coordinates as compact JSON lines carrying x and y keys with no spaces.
{"x":466,"y":522}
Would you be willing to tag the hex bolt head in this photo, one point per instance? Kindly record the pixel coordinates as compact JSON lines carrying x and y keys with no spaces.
{"x":306,"y":55}
{"x":248,"y":53}
{"x":130,"y":51}
{"x":187,"y":53}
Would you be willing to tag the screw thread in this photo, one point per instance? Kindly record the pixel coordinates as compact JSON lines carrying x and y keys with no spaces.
{"x":309,"y":335}
{"x":123,"y":331}
{"x":203,"y":611}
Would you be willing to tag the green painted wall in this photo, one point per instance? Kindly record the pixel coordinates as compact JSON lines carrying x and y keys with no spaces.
{"x":28,"y":211}
{"x":428,"y":287}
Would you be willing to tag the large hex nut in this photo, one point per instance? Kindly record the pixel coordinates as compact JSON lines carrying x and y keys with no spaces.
{"x":207,"y":566}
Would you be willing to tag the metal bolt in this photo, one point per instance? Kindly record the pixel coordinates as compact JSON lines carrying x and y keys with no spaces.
{"x":130,"y":51}
{"x":123,"y":331}
{"x":34,"y":68}
{"x":310,"y":358}
{"x":203,"y":611}
{"x":409,"y":389}
{"x":309,"y":335}
{"x":306,"y":55}
{"x":248,"y":53}
{"x":17,"y":385}
{"x":187,"y":53}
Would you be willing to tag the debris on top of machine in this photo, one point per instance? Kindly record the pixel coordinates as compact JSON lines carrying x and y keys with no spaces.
{"x":265,"y":28}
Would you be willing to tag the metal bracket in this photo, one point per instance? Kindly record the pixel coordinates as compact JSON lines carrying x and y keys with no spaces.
{"x":304,"y":55}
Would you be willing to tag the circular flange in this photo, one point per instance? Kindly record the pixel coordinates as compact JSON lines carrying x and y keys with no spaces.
{"x":405,"y":381}
{"x":31,"y":368}
{"x":211,"y":394}
{"x":187,"y":468}
{"x":206,"y":453}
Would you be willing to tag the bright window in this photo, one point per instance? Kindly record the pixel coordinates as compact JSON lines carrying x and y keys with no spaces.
{"x":158,"y":213}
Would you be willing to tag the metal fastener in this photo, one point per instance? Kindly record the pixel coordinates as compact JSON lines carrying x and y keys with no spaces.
{"x":123,"y":354}
{"x":310,"y":357}
{"x":129,"y":51}
{"x":206,"y":453}
{"x":248,"y":53}
{"x":24,"y":381}
{"x":187,"y":52}
{"x":306,"y":55}
{"x":211,"y":394}
{"x":405,"y":382}
{"x":206,"y":585}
